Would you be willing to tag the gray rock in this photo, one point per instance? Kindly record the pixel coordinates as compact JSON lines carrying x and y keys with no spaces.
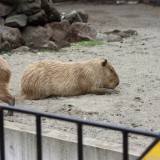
{"x":16,"y":21}
{"x":73,"y":17}
{"x":28,"y":8}
{"x":101,"y":36}
{"x":36,"y":36}
{"x":76,"y":16}
{"x":123,"y":34}
{"x":44,"y":4}
{"x":37,"y":18}
{"x":81,"y":31}
{"x":5,"y":10}
{"x":1,"y":21}
{"x":58,"y":31}
{"x":52,"y":14}
{"x":108,"y":37}
{"x":5,"y":46}
{"x":113,"y":38}
{"x":11,"y":36}
{"x":83,"y":14}
{"x":21,"y":49}
{"x":50,"y":45}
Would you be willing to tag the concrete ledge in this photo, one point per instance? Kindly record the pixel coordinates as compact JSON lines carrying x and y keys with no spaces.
{"x":20,"y":144}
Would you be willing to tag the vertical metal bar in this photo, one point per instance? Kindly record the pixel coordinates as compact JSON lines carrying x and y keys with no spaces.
{"x":39,"y":138}
{"x":125,"y":145}
{"x":80,"y":141}
{"x":2,"y":141}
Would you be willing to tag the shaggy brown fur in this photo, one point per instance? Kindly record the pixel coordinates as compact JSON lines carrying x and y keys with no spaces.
{"x":55,"y":78}
{"x":5,"y":74}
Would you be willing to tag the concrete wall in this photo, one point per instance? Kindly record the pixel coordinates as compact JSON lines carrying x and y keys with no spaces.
{"x":20,"y":144}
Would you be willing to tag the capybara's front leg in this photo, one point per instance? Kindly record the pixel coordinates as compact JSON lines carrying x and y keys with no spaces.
{"x":8,"y":98}
{"x":12,"y":103}
{"x":101,"y":91}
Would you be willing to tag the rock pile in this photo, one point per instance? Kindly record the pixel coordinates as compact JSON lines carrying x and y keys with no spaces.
{"x":37,"y":24}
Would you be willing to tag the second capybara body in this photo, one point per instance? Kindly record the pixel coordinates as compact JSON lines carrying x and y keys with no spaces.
{"x":55,"y":78}
{"x":5,"y":74}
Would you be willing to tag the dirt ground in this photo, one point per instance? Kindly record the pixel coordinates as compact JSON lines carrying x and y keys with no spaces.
{"x":136,"y":60}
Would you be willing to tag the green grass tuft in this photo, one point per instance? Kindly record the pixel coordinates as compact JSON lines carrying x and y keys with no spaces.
{"x":87,"y":43}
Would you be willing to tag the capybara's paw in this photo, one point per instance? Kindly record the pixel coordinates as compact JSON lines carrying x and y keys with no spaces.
{"x":116,"y":92}
{"x":112,"y":91}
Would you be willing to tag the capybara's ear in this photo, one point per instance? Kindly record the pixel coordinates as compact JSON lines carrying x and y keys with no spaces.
{"x":104,"y":62}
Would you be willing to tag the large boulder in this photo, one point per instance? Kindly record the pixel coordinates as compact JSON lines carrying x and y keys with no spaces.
{"x":10,"y":37}
{"x":38,"y":18}
{"x":44,"y":4}
{"x":36,"y":36}
{"x":58,"y":31}
{"x":16,"y":21}
{"x":81,"y":31}
{"x":76,"y":16}
{"x":83,"y":14}
{"x":28,"y":8}
{"x":52,"y":14}
{"x":5,"y":10}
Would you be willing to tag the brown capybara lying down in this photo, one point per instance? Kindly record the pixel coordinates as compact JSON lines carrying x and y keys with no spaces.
{"x":5,"y":74}
{"x":55,"y":78}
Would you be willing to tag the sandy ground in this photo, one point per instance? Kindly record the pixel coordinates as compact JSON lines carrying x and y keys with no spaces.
{"x":136,"y":60}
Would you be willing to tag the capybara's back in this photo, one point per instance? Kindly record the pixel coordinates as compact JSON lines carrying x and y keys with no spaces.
{"x":55,"y":78}
{"x":5,"y":74}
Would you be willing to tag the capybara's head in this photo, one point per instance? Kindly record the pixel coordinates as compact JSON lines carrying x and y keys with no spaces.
{"x":110,"y":77}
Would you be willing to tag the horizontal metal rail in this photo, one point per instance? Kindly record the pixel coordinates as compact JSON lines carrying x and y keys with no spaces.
{"x":80,"y":122}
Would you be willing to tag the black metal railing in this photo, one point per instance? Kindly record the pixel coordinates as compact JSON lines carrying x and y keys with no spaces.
{"x":80,"y":123}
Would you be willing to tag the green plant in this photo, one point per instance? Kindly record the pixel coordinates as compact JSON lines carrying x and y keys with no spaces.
{"x":65,"y":49}
{"x":87,"y":43}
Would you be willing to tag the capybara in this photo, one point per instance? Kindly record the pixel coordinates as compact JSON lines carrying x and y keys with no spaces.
{"x":5,"y":74}
{"x":55,"y":78}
